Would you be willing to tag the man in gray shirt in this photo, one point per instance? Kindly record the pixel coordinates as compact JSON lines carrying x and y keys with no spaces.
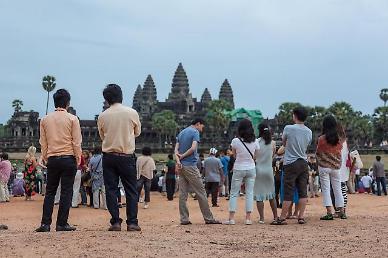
{"x":379,"y":174}
{"x":213,"y":175}
{"x":296,"y":139}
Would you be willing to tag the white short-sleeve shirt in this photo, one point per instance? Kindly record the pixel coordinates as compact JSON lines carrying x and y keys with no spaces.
{"x":244,"y":160}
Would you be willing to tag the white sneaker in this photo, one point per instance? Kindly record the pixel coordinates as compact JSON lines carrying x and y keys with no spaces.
{"x":141,"y":200}
{"x":261,"y":222}
{"x":146,"y":206}
{"x":248,"y":222}
{"x":229,"y":222}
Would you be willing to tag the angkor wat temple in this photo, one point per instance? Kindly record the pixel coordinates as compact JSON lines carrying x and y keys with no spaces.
{"x":23,"y":128}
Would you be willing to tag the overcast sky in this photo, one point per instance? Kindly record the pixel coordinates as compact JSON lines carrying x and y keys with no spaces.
{"x":311,"y":51}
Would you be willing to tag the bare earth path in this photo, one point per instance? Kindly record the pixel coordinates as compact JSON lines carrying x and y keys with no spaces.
{"x":363,"y":234}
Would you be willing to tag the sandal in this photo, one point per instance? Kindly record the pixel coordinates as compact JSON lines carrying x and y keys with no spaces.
{"x":327,"y":217}
{"x":279,"y":222}
{"x":301,"y":221}
{"x":343,"y":216}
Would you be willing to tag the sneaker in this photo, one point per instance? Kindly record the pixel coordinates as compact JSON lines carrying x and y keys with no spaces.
{"x":146,"y":206}
{"x":229,"y":222}
{"x":141,"y":200}
{"x":261,"y":221}
{"x":327,"y":217}
{"x":248,"y":222}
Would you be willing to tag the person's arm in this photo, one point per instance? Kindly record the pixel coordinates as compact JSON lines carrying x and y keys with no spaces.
{"x":284,"y":137}
{"x":137,"y":124}
{"x":77,"y":140}
{"x":100,"y":126}
{"x":177,"y":155}
{"x":189,"y":151}
{"x":43,"y":141}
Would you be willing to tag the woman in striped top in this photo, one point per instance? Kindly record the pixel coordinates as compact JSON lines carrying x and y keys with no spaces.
{"x":329,"y":163}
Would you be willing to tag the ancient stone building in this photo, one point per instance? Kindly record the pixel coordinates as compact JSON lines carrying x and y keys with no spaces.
{"x":180,"y":101}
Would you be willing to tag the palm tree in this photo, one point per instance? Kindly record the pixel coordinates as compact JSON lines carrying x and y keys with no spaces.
{"x":384,"y":95}
{"x":17,"y":105}
{"x":48,"y":84}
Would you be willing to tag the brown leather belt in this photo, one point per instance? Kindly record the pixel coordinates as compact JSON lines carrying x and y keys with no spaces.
{"x":62,"y":157}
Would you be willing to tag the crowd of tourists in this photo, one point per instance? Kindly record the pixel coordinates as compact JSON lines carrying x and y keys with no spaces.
{"x":255,"y":168}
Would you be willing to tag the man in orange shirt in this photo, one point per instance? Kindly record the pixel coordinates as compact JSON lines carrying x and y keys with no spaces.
{"x":118,"y":126}
{"x":60,"y":140}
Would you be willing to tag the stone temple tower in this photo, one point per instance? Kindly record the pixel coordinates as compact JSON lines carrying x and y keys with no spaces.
{"x":226,"y":93}
{"x":148,"y":98}
{"x":206,"y":97}
{"x":137,"y":98}
{"x":180,"y":94}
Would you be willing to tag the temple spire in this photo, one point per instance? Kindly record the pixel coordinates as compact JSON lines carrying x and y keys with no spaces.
{"x":149,"y":90}
{"x":226,"y":93}
{"x":137,"y":98}
{"x":180,"y":85}
{"x":206,"y":97}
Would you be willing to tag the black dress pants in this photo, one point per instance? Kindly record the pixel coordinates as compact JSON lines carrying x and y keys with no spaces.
{"x":59,"y":169}
{"x":124,"y":167}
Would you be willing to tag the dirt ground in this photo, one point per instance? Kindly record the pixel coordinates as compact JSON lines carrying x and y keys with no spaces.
{"x":363,"y":234}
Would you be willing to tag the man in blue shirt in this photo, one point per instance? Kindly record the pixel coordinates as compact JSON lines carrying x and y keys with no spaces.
{"x":186,"y":153}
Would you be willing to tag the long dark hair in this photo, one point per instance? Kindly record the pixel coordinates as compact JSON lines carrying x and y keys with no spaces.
{"x":330,"y":130}
{"x":245,"y":131}
{"x":265,"y":133}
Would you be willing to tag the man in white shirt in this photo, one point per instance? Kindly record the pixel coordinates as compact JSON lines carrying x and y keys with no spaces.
{"x":367,"y":183}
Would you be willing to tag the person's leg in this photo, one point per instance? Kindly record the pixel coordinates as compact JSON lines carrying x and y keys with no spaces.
{"x":147,"y":190}
{"x":214,"y":191}
{"x":76,"y":187}
{"x":383,"y":183}
{"x":111,"y":181}
{"x":208,"y":189}
{"x":226,"y":184}
{"x":194,"y":179}
{"x":274,"y":208}
{"x":356,"y":183}
{"x":230,"y":176}
{"x":344,"y":191}
{"x":103,"y":198}
{"x":96,"y":195}
{"x":301,"y":185}
{"x":249,"y":185}
{"x":53,"y":177}
{"x":169,"y":189}
{"x":260,"y":209}
{"x":69,"y":169}
{"x":2,"y":192}
{"x":183,"y":194}
{"x":128,"y":174}
{"x":140,"y":185}
{"x":84,"y":199}
{"x":311,"y":186}
{"x":379,"y":183}
{"x":325,"y":186}
{"x":335,"y":180}
{"x":237,"y":178}
{"x":289,"y":179}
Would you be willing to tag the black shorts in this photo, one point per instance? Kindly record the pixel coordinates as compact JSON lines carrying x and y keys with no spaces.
{"x":296,"y":175}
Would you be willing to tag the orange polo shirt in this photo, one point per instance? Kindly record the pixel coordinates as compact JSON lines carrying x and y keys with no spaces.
{"x":60,"y":134}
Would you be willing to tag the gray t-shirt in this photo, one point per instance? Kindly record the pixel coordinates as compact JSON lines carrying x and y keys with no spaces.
{"x":213,"y":169}
{"x":298,"y":138}
{"x":378,"y":169}
{"x":185,"y":139}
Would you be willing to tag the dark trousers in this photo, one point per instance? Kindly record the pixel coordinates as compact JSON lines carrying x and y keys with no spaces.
{"x":122,"y":167}
{"x":63,"y":169}
{"x":381,"y":180}
{"x":212,"y":188}
{"x":357,"y":178}
{"x":170,"y":188}
{"x":277,"y":190}
{"x":230,"y":175}
{"x":143,"y":181}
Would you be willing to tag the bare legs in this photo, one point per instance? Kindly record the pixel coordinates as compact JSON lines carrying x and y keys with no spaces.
{"x":260,"y":209}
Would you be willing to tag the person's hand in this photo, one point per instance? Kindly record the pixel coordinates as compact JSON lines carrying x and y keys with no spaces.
{"x":179,"y":156}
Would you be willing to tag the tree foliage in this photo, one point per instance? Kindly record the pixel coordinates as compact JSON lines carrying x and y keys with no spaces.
{"x":384,"y":96}
{"x":164,"y":123}
{"x":217,"y":116}
{"x":48,"y":84}
{"x":17,"y":105}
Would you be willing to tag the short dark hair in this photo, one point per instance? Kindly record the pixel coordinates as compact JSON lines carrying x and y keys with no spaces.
{"x":113,"y":94}
{"x":245,"y":131}
{"x":170,"y":156}
{"x":378,"y":158}
{"x":61,"y":98}
{"x":300,"y":113}
{"x":146,"y":151}
{"x":4,"y":156}
{"x":198,"y":120}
